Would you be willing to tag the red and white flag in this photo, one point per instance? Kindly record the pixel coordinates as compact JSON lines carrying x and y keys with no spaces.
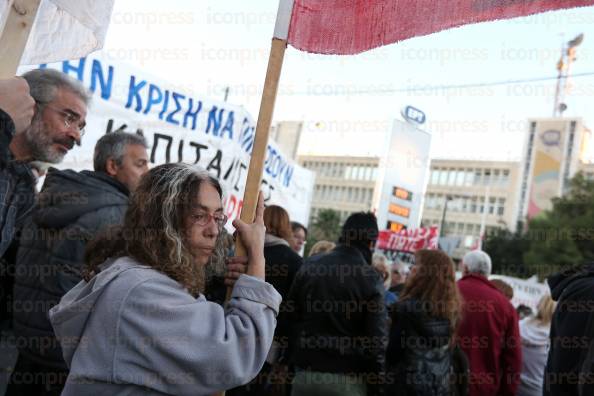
{"x":352,"y":26}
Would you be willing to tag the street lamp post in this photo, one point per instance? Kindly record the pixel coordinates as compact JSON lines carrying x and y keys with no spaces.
{"x":443,"y":216}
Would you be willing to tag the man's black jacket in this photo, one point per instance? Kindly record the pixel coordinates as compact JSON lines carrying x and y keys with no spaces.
{"x":73,"y":207}
{"x":339,"y":318}
{"x":570,"y":365}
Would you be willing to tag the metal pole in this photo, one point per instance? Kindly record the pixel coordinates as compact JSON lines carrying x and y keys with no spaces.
{"x":443,"y":216}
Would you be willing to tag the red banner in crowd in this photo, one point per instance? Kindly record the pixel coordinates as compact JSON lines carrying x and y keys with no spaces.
{"x":408,"y":240}
{"x":353,"y":26}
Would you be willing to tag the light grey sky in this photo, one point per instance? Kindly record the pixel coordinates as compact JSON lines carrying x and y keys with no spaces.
{"x":348,"y":102}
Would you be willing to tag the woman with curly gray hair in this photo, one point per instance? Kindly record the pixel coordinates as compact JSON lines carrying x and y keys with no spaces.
{"x":139,"y":324}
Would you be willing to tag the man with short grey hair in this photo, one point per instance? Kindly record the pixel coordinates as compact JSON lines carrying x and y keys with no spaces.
{"x":59,"y":105}
{"x":399,"y":272}
{"x":477,"y":262}
{"x":488,"y":332}
{"x":73,"y":207}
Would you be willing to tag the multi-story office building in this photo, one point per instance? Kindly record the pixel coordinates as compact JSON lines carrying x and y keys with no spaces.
{"x":345,"y":184}
{"x":476,"y":192}
{"x":555,"y":150}
{"x":287,"y":135}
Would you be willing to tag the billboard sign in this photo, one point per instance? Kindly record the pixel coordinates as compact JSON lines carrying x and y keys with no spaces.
{"x":402,"y":177}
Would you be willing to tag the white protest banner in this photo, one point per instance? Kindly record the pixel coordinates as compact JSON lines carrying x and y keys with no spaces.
{"x":526,"y":292}
{"x":64,"y":29}
{"x":180,"y":126}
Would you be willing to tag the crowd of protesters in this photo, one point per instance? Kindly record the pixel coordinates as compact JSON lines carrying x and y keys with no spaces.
{"x":113,"y":282}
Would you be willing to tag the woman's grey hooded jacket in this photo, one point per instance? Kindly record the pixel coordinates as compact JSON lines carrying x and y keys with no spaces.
{"x":132,"y":330}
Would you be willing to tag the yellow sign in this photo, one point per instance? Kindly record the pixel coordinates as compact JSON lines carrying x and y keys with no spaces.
{"x":395,"y":226}
{"x":399,"y":210}
{"x":402,"y":193}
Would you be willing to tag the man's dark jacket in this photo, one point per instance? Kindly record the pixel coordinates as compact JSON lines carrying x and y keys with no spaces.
{"x":17,"y":186}
{"x":282,"y":264}
{"x":72,"y":208}
{"x":570,"y":365}
{"x":17,"y":196}
{"x":339,"y":320}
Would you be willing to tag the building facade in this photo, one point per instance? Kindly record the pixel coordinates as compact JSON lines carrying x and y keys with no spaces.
{"x":555,"y":150}
{"x":345,"y":184}
{"x":477,"y":193}
{"x":287,"y":135}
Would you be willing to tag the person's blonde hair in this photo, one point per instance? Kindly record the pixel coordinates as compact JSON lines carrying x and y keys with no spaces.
{"x":321,"y":247}
{"x":544,"y":310}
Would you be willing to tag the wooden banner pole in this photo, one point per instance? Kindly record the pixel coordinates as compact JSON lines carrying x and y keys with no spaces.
{"x":255,"y":170}
{"x":18,"y":18}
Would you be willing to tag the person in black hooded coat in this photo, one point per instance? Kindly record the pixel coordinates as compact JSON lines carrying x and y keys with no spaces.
{"x":570,"y":364}
{"x":282,"y":264}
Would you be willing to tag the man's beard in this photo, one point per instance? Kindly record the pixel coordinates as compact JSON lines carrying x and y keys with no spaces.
{"x":42,"y":145}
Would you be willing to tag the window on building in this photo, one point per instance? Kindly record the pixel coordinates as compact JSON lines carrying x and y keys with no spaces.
{"x":454,"y":204}
{"x":460,"y":177}
{"x":496,"y":177}
{"x":465,"y":204}
{"x":469,"y":229}
{"x":505,"y":177}
{"x":487,"y":177}
{"x":443,"y":177}
{"x":469,"y":179}
{"x":348,"y":174}
{"x":428,"y":201}
{"x":438,"y":201}
{"x":451,"y":177}
{"x":478,"y":176}
{"x":434,"y":176}
{"x":492,"y":201}
{"x":473,"y":205}
{"x":501,"y":206}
